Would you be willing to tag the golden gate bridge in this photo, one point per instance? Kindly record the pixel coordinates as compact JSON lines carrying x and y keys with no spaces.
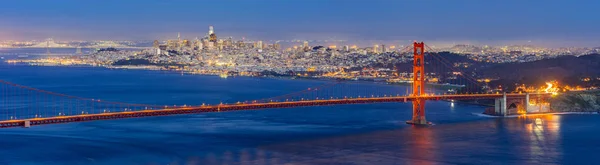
{"x":24,"y":106}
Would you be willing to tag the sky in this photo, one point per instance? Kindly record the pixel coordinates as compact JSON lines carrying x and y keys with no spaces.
{"x":493,"y":22}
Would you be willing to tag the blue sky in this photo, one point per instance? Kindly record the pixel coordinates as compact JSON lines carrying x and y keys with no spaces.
{"x":543,"y":22}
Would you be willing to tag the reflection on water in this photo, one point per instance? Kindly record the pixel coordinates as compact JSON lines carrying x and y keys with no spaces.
{"x":503,"y":141}
{"x":543,"y":131}
{"x":424,"y":143}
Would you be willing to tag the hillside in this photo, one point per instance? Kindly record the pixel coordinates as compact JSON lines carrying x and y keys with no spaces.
{"x":565,"y":69}
{"x":433,"y":65}
{"x":577,"y":102}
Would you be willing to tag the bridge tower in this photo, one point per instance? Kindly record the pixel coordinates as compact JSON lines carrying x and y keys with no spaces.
{"x":78,"y":51}
{"x":47,"y":47}
{"x":418,"y":117}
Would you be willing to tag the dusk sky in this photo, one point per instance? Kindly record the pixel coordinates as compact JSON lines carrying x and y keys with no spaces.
{"x":543,"y":22}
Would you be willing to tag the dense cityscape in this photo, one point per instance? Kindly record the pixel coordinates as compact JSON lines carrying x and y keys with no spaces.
{"x":297,"y":82}
{"x":228,"y":57}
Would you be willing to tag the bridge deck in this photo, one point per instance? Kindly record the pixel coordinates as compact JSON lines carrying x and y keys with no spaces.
{"x":242,"y":106}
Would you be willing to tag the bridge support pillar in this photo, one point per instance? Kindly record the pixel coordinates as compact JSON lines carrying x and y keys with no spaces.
{"x":497,"y":103}
{"x":418,"y":113}
{"x":504,"y":108}
{"x":27,"y":124}
{"x":500,"y":106}
{"x":526,"y":102}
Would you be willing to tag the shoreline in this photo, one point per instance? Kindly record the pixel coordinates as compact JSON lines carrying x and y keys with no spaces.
{"x":443,"y":87}
{"x":537,"y":114}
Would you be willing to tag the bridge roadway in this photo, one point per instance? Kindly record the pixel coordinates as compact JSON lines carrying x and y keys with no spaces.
{"x":250,"y":106}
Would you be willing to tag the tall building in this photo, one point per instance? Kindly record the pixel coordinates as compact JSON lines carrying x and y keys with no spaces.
{"x":241,"y":44}
{"x":383,"y":49}
{"x":187,"y":43}
{"x":157,"y":51}
{"x":200,"y":45}
{"x":276,"y":46}
{"x":220,"y":44}
{"x":211,"y":34}
{"x":155,"y":44}
{"x":179,"y":40}
{"x":259,"y":45}
{"x":228,"y":42}
{"x":305,"y":46}
{"x":205,"y":43}
{"x":210,"y":45}
{"x":172,"y":44}
{"x":346,"y":48}
{"x":195,"y":44}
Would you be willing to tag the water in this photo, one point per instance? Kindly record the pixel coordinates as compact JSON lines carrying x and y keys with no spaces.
{"x":44,"y":51}
{"x":345,"y":134}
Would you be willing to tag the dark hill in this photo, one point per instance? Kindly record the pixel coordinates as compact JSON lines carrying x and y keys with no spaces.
{"x":565,"y":69}
{"x":433,"y":65}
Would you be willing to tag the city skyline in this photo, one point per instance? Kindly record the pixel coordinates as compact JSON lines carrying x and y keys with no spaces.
{"x":299,"y":82}
{"x":439,"y":22}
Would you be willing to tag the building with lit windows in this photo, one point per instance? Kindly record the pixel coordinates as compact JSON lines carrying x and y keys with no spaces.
{"x":212,"y":37}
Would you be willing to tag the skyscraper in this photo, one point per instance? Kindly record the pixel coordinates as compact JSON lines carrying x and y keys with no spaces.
{"x":155,"y":44}
{"x":305,"y":46}
{"x":179,"y":43}
{"x":228,"y":42}
{"x":259,"y":45}
{"x":196,"y":43}
{"x":376,"y":49}
{"x":200,"y":45}
{"x":220,"y":44}
{"x":172,"y":44}
{"x":211,"y":34}
{"x":186,"y":43}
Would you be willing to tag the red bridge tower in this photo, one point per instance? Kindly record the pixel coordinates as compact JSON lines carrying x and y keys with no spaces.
{"x":418,"y":84}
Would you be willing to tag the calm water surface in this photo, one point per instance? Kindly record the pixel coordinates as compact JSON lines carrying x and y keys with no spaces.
{"x":345,"y":134}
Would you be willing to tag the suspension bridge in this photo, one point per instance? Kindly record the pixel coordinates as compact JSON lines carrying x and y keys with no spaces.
{"x":24,"y":106}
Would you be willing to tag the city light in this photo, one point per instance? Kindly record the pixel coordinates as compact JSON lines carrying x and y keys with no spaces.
{"x":299,"y":82}
{"x":552,"y":88}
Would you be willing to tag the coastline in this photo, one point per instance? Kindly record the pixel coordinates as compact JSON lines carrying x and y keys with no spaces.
{"x":161,"y":68}
{"x":537,"y":114}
